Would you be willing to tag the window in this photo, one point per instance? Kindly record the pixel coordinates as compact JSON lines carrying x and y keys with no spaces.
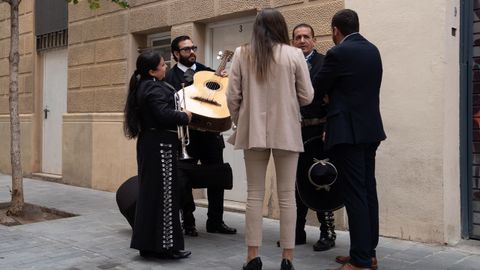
{"x":51,"y":24}
{"x":160,"y":43}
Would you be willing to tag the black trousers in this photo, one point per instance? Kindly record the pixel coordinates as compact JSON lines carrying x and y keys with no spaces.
{"x":206,"y":147}
{"x":356,"y":169}
{"x":325,"y":225}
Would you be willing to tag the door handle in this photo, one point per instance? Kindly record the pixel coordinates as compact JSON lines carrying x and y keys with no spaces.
{"x":45,"y":112}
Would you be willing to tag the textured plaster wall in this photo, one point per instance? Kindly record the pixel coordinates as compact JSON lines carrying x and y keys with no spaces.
{"x":417,"y":166}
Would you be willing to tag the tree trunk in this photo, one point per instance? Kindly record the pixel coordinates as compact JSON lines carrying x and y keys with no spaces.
{"x":16,"y":206}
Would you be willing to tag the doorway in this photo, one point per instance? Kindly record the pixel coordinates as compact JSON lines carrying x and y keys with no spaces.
{"x":470,"y":118}
{"x":474,"y":129}
{"x":223,"y":36}
{"x":54,"y":106}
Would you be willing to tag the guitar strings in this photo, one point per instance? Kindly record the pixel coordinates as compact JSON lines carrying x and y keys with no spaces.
{"x":211,"y":93}
{"x":227,"y":55}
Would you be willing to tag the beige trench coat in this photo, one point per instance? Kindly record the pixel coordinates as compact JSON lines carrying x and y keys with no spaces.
{"x":267,"y":114}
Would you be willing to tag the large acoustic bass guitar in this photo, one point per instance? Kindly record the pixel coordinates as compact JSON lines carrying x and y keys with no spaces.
{"x":206,"y":98}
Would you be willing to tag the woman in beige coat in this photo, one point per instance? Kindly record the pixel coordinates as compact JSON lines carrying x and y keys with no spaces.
{"x":269,"y":81}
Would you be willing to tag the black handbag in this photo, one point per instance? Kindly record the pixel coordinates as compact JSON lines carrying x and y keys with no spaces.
{"x":208,"y":175}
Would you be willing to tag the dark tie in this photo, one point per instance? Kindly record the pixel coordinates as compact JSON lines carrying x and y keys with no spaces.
{"x":309,"y":61}
{"x":188,"y":75}
{"x":309,"y":65}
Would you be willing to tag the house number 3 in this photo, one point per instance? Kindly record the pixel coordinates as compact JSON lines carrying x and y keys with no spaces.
{"x":240,"y":28}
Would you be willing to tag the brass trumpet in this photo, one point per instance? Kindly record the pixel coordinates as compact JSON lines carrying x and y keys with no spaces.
{"x":183,"y":134}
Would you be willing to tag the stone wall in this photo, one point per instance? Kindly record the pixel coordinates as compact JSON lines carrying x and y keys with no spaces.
{"x":26,"y":81}
{"x":102,"y":53}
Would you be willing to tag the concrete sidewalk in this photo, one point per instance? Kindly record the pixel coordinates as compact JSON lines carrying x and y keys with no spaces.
{"x":99,"y":238}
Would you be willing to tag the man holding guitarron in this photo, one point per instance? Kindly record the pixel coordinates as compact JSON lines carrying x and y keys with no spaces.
{"x":205,"y":146}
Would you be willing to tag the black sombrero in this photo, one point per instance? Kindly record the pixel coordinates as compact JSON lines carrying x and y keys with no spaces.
{"x":317,"y":179}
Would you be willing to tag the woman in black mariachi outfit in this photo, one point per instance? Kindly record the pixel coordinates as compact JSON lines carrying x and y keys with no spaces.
{"x":151,"y":117}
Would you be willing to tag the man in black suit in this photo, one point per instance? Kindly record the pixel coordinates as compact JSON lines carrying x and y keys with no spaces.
{"x":206,"y":147}
{"x":351,"y":77}
{"x":313,"y":121}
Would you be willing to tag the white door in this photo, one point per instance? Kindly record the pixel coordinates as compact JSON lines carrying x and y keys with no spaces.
{"x":228,"y":36}
{"x":54,"y":106}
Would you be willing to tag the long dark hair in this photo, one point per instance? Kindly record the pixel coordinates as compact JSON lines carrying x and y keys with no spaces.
{"x":146,"y":61}
{"x":269,"y":29}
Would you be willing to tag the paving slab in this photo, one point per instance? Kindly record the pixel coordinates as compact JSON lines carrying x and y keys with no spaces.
{"x":99,"y":238}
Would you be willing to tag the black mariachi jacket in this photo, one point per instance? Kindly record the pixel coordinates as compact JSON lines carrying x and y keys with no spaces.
{"x":156,"y":103}
{"x":318,"y":108}
{"x":175,"y":75}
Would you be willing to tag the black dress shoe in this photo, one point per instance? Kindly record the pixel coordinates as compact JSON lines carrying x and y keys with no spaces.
{"x":346,"y":260}
{"x":148,"y":254}
{"x":286,"y":265}
{"x":323,"y":244}
{"x":253,"y":264}
{"x":177,"y":254}
{"x":191,"y":231}
{"x":168,"y":254}
{"x":220,"y":228}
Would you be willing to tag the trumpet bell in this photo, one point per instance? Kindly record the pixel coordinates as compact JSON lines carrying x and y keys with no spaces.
{"x":184,"y":155}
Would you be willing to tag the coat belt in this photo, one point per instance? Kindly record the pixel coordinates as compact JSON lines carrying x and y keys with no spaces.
{"x":313,"y":121}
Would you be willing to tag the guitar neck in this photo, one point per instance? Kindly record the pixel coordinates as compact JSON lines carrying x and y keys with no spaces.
{"x":226,"y":56}
{"x":221,"y":67}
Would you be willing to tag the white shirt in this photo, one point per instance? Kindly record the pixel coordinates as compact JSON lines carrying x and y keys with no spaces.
{"x":351,"y":34}
{"x":184,"y":68}
{"x":308,"y":56}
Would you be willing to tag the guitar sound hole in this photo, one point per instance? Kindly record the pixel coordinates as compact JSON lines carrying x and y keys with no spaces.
{"x":212,"y":85}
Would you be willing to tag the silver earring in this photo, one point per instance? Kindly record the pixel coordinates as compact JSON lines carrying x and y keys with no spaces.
{"x":154,"y":79}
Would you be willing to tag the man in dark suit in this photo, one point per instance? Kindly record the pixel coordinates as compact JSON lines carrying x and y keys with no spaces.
{"x":206,"y":147}
{"x":351,"y":77}
{"x":313,"y":120}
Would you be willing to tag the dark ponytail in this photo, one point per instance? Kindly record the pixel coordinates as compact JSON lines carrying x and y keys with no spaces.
{"x":146,"y":61}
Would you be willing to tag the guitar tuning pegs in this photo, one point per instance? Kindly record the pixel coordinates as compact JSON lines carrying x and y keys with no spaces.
{"x":220,"y":53}
{"x":218,"y":57}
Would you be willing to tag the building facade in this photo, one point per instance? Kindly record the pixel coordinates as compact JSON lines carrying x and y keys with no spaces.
{"x":426,"y":188}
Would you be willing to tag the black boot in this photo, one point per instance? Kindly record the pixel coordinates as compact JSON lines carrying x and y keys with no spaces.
{"x":327,"y":232}
{"x":323,"y":244}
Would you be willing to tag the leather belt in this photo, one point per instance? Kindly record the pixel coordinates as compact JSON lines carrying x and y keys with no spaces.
{"x":313,"y":121}
{"x":161,"y":130}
